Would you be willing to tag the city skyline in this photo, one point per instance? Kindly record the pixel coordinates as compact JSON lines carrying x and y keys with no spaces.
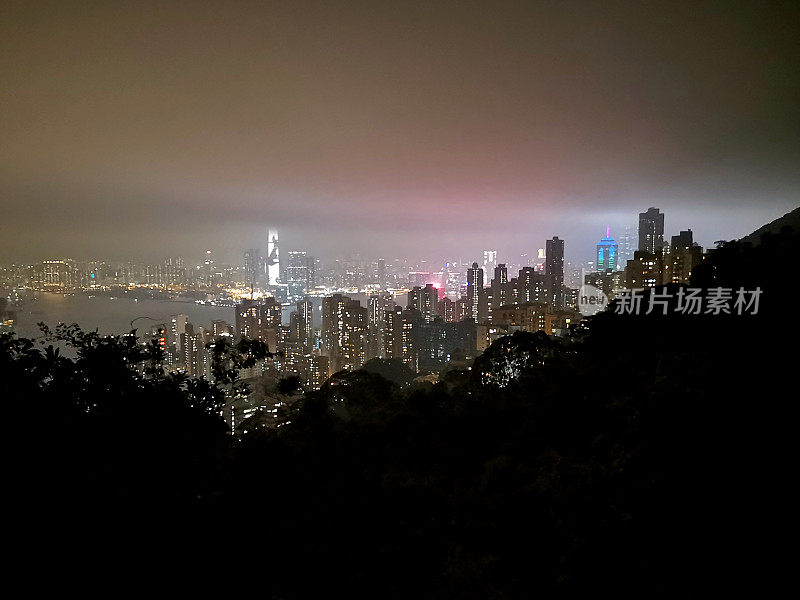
{"x":231,"y":253}
{"x":365,"y":307}
{"x":298,"y":272}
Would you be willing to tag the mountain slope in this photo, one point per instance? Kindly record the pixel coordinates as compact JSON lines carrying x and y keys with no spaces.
{"x":792,"y":219}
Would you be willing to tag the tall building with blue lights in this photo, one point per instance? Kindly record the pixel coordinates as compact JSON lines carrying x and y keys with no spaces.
{"x":607,"y":251}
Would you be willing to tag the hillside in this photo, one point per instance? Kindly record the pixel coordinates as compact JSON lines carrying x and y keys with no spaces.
{"x":792,"y":219}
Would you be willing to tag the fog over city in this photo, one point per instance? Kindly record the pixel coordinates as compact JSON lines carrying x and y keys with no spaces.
{"x":153,"y":129}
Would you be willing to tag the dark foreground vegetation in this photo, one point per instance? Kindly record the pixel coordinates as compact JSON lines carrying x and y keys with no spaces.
{"x":645,"y":456}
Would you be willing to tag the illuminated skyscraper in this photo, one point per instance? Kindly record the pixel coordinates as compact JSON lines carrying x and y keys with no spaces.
{"x":273,"y":258}
{"x":489,"y":261}
{"x":474,"y":287}
{"x":452,"y":280}
{"x":607,"y":253}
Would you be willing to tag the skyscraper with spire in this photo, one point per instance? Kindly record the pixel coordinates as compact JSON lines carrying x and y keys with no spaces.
{"x":607,"y":253}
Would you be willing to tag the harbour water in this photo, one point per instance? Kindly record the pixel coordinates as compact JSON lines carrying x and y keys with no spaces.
{"x":113,"y":316}
{"x":110,"y":316}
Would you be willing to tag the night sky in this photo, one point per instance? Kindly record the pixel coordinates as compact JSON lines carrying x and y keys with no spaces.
{"x":146,"y":129}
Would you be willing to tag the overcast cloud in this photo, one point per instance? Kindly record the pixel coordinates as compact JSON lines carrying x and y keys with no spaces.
{"x":138,"y":129}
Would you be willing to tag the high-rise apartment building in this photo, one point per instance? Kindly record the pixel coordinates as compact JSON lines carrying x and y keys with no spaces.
{"x":175,"y":338}
{"x":646,"y":270}
{"x":463,"y":309}
{"x":499,"y":285}
{"x":304,"y":324}
{"x":485,"y":304}
{"x":194,"y":358}
{"x":554,"y":269}
{"x":425,"y":300}
{"x":344,"y":332}
{"x":528,"y":316}
{"x":378,"y":305}
{"x":401,"y":336}
{"x":500,"y":275}
{"x":684,"y":255}
{"x":531,"y":286}
{"x":447,"y":310}
{"x":439,"y":341}
{"x":317,"y":369}
{"x":259,"y":319}
{"x":651,"y":231}
{"x":474,"y":287}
